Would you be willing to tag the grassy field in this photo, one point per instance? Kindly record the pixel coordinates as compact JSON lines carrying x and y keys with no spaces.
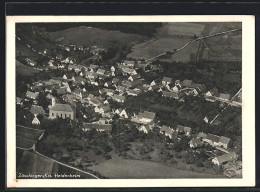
{"x":156,"y":47}
{"x":25,"y":70}
{"x":93,"y":36}
{"x":225,"y":47}
{"x":119,"y":168}
{"x":181,"y":29}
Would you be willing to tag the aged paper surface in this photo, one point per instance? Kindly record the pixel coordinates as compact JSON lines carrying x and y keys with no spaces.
{"x":248,"y":106}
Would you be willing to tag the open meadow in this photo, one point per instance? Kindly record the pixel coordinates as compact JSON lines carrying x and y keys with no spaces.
{"x":89,"y":36}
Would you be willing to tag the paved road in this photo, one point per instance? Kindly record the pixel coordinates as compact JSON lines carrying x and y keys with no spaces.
{"x":225,"y":107}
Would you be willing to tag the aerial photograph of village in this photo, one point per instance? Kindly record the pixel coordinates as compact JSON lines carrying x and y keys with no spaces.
{"x":128,"y":100}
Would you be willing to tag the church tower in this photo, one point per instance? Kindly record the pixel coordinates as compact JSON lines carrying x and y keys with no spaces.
{"x":53,"y":102}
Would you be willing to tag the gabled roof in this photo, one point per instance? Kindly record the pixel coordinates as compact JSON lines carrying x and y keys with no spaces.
{"x":106,"y":108}
{"x":109,"y":90}
{"x":101,"y":71}
{"x":214,"y":91}
{"x":146,"y":127}
{"x":131,"y":91}
{"x":35,"y":109}
{"x":119,"y":97}
{"x":106,"y":127}
{"x":136,"y":82}
{"x":201,"y":87}
{"x":226,"y":157}
{"x":183,"y":128}
{"x":61,"y":90}
{"x":129,"y":62}
{"x":62,"y":107}
{"x":115,"y":80}
{"x":137,"y":76}
{"x":32,"y":94}
{"x":224,"y":140}
{"x":196,"y":142}
{"x":224,"y":96}
{"x":167,"y":79}
{"x":128,"y":70}
{"x":202,"y":135}
{"x":93,"y":66}
{"x":147,"y":115}
{"x":187,"y":83}
{"x":171,"y":94}
{"x":213,"y":138}
{"x":167,"y":130}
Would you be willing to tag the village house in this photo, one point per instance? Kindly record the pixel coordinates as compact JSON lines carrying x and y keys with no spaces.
{"x":91,"y":75}
{"x":126,"y":83}
{"x":224,"y":97}
{"x":120,"y":89}
{"x":108,"y":84}
{"x":198,"y":88}
{"x":220,"y":160}
{"x":145,"y":128}
{"x":115,"y":80}
{"x":98,"y":127}
{"x":183,"y":129}
{"x":175,"y":95}
{"x":128,"y":71}
{"x":129,"y":63}
{"x":19,"y":101}
{"x":202,"y":135}
{"x":32,"y":95}
{"x":195,"y":143}
{"x":186,"y":83}
{"x":118,"y":98}
{"x":224,"y":142}
{"x":75,"y":67}
{"x":132,"y":92}
{"x":62,"y":91}
{"x":30,"y":62}
{"x":138,"y":82}
{"x":166,"y":80}
{"x":60,"y":110}
{"x":212,"y":92}
{"x":121,"y":112}
{"x":108,"y":92}
{"x":167,"y":131}
{"x":106,"y":102}
{"x":134,"y":77}
{"x":93,"y":100}
{"x":212,"y":139}
{"x":144,"y":117}
{"x":102,"y":109}
{"x":101,"y":71}
{"x":112,"y":69}
{"x":93,"y":68}
{"x":36,"y":120}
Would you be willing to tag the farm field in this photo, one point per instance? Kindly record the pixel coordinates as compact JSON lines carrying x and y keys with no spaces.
{"x":169,"y":37}
{"x":25,"y":70}
{"x":156,"y":47}
{"x":118,"y":168}
{"x":181,"y":29}
{"x":225,"y":47}
{"x":89,"y":36}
